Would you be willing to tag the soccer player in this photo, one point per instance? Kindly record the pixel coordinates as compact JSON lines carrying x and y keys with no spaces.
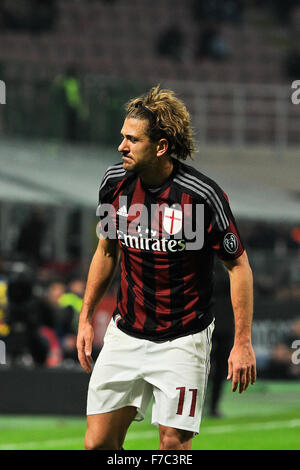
{"x":166,"y":221}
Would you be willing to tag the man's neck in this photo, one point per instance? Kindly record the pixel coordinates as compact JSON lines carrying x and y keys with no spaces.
{"x":157,"y":174}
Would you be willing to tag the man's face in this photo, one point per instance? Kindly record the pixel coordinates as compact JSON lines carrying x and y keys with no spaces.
{"x":136,"y":147}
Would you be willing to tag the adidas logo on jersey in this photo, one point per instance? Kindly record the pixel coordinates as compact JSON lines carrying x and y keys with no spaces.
{"x":122,"y":211}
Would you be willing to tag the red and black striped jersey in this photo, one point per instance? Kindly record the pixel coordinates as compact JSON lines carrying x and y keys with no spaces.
{"x":168,"y":238}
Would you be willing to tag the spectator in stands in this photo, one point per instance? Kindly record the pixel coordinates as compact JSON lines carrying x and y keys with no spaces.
{"x":70,"y":303}
{"x":54,"y":291}
{"x":31,"y":324}
{"x":170,"y":43}
{"x":67,"y":88}
{"x":31,"y":236}
{"x":211,"y":43}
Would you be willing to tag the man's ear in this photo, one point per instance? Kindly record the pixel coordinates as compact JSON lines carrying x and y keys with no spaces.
{"x":162,"y":147}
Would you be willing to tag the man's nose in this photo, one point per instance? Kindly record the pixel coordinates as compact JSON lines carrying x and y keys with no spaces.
{"x":122,"y":146}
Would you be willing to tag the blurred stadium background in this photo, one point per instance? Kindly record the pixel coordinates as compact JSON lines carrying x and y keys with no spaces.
{"x":69,"y":66}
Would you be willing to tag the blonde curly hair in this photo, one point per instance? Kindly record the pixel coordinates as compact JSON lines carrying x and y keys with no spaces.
{"x":168,"y":118}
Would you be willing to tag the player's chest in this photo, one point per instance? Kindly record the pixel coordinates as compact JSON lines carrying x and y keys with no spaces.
{"x":158,"y":224}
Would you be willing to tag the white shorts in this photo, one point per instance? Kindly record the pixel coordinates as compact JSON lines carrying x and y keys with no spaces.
{"x":130,"y":371}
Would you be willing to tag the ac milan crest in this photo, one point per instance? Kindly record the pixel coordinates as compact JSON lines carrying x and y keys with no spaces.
{"x":172,"y":220}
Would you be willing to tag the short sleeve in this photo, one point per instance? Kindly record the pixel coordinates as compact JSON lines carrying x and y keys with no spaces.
{"x":223,"y":234}
{"x":111,"y":179}
{"x":105,"y":226}
{"x":109,"y":186}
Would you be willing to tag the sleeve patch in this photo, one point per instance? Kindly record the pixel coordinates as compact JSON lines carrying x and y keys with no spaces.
{"x":230,"y":243}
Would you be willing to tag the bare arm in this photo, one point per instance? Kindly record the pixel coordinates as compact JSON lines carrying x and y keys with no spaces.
{"x":101,"y":273}
{"x":241,"y":362}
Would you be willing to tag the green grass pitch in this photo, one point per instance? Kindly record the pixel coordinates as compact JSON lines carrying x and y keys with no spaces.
{"x":265,"y":417}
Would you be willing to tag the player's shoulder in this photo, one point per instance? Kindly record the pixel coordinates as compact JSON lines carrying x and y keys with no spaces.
{"x":112,"y":174}
{"x":114,"y":178}
{"x":207,"y":191}
{"x":197,"y":183}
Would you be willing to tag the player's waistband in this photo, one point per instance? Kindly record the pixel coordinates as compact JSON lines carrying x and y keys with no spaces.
{"x":202,"y":321}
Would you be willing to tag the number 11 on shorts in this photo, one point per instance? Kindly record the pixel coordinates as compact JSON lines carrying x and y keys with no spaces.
{"x":181,"y":400}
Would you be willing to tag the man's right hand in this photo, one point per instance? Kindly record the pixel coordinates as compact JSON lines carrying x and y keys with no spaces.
{"x":84,"y":344}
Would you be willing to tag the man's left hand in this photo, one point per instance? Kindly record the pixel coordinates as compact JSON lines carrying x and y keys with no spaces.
{"x":242,"y":366}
